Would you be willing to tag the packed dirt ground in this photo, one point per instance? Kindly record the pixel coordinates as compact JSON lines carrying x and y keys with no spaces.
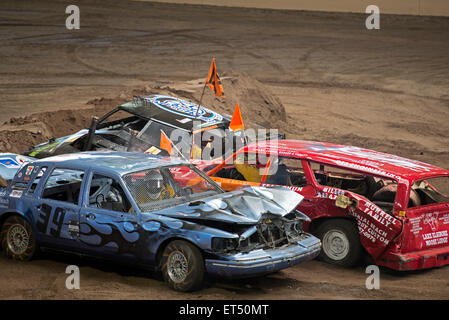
{"x":314,"y":76}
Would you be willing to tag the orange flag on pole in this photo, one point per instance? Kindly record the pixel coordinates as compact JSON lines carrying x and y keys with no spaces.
{"x":213,"y":80}
{"x":236,"y":121}
{"x":165,"y":143}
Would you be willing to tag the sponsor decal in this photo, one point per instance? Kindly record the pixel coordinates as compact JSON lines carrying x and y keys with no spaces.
{"x":16,"y":193}
{"x":369,"y":230}
{"x":415,"y":225}
{"x":29,"y":170}
{"x":9,"y":163}
{"x":184,"y":108}
{"x":367,"y":169}
{"x":435,"y":238}
{"x":330,"y":193}
{"x":374,"y":156}
{"x":379,"y":215}
{"x":431,"y":219}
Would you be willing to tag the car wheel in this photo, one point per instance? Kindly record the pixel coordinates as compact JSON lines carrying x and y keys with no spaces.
{"x":340,"y":242}
{"x":17,"y":238}
{"x":182,"y":266}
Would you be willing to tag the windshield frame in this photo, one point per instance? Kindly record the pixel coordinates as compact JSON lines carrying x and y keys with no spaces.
{"x":162,"y":204}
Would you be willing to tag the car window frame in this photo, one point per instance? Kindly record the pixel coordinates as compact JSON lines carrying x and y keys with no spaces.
{"x":40,"y":190}
{"x":117,"y":178}
{"x":430,"y":205}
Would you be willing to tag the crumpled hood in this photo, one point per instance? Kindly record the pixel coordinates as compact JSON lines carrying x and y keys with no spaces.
{"x":244,"y":206}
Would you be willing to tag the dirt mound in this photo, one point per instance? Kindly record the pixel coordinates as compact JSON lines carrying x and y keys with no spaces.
{"x":257,"y":103}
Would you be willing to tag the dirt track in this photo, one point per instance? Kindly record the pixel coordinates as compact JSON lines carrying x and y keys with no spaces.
{"x":387,"y":90}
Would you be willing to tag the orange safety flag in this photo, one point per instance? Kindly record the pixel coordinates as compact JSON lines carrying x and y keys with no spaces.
{"x":165,"y":143}
{"x":236,"y":121}
{"x":213,"y":80}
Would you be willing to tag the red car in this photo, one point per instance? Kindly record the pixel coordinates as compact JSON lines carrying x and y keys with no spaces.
{"x":358,"y":200}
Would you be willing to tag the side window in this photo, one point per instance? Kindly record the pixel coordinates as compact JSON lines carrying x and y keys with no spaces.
{"x":289,"y":172}
{"x":381,"y":191}
{"x":151,"y":133}
{"x":429,"y":191}
{"x":107,"y":193}
{"x":63,"y":185}
{"x":36,"y":180}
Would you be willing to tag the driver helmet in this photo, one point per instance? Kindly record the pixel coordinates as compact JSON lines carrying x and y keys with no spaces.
{"x":154,"y":183}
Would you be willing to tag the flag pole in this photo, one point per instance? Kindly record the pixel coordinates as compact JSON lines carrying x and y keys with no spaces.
{"x":196,"y":113}
{"x":202,"y":94}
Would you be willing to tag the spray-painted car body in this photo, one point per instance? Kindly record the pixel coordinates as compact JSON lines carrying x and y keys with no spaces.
{"x":402,"y":220}
{"x":135,"y":126}
{"x":67,"y":219}
{"x":10,"y":163}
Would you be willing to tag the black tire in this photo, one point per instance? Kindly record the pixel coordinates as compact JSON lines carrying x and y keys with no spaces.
{"x":340,"y":242}
{"x":15,"y":249}
{"x":180,"y":253}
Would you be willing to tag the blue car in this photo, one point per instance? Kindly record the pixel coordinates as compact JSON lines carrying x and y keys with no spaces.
{"x":160,"y":213}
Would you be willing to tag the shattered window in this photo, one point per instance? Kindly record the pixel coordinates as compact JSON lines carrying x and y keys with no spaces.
{"x":155,"y":189}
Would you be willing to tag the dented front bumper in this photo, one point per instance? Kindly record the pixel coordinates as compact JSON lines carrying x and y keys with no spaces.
{"x":263,"y":261}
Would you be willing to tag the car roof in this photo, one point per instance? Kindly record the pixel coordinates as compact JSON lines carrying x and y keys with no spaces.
{"x":110,"y":161}
{"x":350,"y":157}
{"x":173,"y":111}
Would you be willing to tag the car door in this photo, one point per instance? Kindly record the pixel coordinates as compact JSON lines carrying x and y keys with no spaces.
{"x":292,"y":173}
{"x":108,"y":225}
{"x":56,"y":207}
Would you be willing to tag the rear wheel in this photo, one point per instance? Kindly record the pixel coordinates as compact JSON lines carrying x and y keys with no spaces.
{"x":17,"y":239}
{"x":340,"y":242}
{"x":182,"y":266}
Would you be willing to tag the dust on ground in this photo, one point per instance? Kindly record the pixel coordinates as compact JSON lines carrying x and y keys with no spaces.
{"x":314,"y":76}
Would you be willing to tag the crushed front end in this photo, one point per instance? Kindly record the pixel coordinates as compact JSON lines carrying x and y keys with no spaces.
{"x":274,"y":243}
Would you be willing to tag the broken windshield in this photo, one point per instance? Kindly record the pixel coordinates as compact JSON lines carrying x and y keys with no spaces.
{"x":155,"y":189}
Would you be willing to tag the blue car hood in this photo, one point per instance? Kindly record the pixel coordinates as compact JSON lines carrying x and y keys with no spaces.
{"x":244,"y":206}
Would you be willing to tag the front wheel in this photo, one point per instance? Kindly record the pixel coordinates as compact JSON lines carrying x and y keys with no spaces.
{"x":182,"y":266}
{"x":17,"y":239}
{"x":340,"y":242}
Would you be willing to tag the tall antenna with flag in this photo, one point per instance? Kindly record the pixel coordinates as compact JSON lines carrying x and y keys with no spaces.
{"x":214,"y":82}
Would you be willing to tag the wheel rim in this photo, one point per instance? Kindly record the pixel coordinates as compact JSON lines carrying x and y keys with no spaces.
{"x":336,"y":244}
{"x":18,"y":239}
{"x":177,"y":266}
